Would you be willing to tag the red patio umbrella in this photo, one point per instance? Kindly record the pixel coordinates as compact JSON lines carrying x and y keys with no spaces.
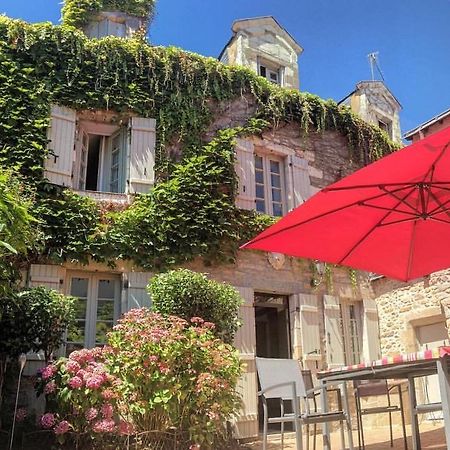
{"x":391,"y":217}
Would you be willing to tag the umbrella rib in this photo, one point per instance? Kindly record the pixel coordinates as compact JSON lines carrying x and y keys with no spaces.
{"x":371,"y":230}
{"x":274,"y":233}
{"x":441,"y":154}
{"x":392,"y":194}
{"x":395,"y":222}
{"x":389,"y":209}
{"x":441,"y":206}
{"x":439,"y":220}
{"x":411,"y":250}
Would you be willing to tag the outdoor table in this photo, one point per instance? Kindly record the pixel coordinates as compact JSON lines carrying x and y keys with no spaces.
{"x":407,"y":366}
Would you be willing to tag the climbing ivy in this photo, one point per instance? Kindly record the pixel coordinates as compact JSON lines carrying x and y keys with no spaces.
{"x":191,"y":210}
{"x":76,"y":12}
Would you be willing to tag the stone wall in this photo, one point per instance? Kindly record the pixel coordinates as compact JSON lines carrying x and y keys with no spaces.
{"x":404,"y":306}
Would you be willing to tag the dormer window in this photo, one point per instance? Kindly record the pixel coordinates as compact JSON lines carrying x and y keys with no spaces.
{"x":271,"y":72}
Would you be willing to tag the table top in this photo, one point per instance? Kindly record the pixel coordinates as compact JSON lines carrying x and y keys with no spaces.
{"x":390,"y":367}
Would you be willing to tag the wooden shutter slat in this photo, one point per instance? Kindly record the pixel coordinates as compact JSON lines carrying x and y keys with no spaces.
{"x":245,"y":170}
{"x":141,"y":176}
{"x":61,"y":136}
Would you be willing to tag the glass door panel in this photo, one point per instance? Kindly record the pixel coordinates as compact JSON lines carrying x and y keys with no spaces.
{"x":76,"y":337}
{"x":106,"y":308}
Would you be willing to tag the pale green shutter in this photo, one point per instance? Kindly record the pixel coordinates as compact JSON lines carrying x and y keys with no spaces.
{"x":371,"y":337}
{"x":298,"y":184}
{"x":333,"y":332}
{"x":49,"y":276}
{"x":61,"y":136}
{"x":141,"y":165}
{"x":136,"y":294}
{"x":246,"y":423}
{"x":245,"y":170}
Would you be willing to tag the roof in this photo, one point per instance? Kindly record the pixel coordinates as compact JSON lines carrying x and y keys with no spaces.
{"x":428,"y":123}
{"x":360,"y":84}
{"x":244,"y":23}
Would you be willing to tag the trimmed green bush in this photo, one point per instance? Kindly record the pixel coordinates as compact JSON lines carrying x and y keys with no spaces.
{"x":188,"y":294}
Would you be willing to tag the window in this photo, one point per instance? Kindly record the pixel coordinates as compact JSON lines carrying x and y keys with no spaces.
{"x":97,"y":310}
{"x":271,"y":72}
{"x":351,"y":332}
{"x":97,"y":151}
{"x":386,"y":126}
{"x":269,"y":179}
{"x":101,"y":159}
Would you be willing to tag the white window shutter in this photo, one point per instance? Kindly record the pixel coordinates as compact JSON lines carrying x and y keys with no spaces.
{"x":141,"y":174}
{"x":49,"y":276}
{"x":371,"y":337}
{"x":246,"y":424}
{"x":309,"y":318}
{"x":298,"y":181}
{"x":137,"y":295}
{"x":61,"y":136}
{"x":333,"y":332}
{"x":245,"y":170}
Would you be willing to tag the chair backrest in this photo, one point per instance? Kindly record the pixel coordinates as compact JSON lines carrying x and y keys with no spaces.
{"x":371,"y":388}
{"x":272,"y":371}
{"x":308,"y":381}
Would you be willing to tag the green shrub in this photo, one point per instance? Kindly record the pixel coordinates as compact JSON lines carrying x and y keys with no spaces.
{"x":188,"y":294}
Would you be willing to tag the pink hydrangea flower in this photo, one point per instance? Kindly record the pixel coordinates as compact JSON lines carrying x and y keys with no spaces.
{"x":48,"y":421}
{"x":91,"y":414}
{"x":198,"y":320}
{"x":21,"y":414}
{"x":107,"y":411}
{"x":126,"y":428}
{"x":72,"y":367}
{"x":50,"y":388}
{"x":104,"y":426}
{"x":48,"y":372}
{"x":94,"y":382}
{"x":62,"y":427}
{"x":75,"y":382}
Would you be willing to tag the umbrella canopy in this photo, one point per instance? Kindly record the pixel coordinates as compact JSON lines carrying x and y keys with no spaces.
{"x":391,"y":217}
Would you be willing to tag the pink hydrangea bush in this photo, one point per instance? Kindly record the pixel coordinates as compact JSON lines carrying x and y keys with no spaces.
{"x":186,"y":377}
{"x":81,"y":395}
{"x":157,"y":377}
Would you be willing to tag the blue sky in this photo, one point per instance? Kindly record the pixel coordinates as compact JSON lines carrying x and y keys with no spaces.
{"x":412,"y":36}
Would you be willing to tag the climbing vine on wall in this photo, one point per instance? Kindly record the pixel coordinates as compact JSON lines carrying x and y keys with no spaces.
{"x":42,"y":64}
{"x":76,"y":12}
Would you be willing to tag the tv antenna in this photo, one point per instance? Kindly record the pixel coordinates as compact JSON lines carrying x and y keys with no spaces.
{"x":373,"y":61}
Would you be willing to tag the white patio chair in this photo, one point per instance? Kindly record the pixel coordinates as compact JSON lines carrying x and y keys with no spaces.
{"x":282,"y":379}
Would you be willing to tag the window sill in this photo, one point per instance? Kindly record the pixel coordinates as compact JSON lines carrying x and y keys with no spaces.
{"x":111,"y":197}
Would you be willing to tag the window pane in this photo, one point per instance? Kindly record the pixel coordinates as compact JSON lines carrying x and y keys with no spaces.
{"x":101,"y":329}
{"x":276,"y":195}
{"x":260,"y":206}
{"x":105,"y":310}
{"x":258,"y":162}
{"x":262,"y":71}
{"x":76,"y":333}
{"x":106,"y":289}
{"x":81,"y":309}
{"x":259,"y":175}
{"x":79,"y":287}
{"x":277,"y":209}
{"x":259,"y":191}
{"x":275,"y":180}
{"x":275,"y":166}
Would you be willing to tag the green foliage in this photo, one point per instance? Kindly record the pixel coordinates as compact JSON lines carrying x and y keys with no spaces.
{"x":52,"y":313}
{"x":188,"y":294}
{"x":34,"y":320}
{"x":76,"y":12}
{"x":191,"y":211}
{"x":17,"y":228}
{"x":70,"y":224}
{"x":161,"y":382}
{"x":178,"y":380}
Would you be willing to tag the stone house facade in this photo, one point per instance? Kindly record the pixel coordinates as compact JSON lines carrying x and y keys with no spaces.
{"x":291,"y":307}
